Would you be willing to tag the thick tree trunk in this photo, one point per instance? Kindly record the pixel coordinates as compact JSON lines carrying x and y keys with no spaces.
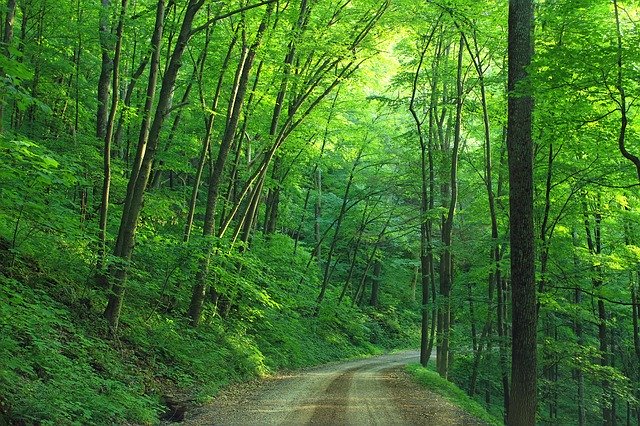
{"x":523,"y":400}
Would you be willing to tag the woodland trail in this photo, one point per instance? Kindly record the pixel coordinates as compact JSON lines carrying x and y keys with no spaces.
{"x":373,"y":391}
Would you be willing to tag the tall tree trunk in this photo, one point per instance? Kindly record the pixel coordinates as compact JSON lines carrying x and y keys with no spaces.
{"x":206,"y":143}
{"x":594,"y":243}
{"x":356,"y":247}
{"x":106,"y":69}
{"x":371,"y":261}
{"x":446,"y":263}
{"x":336,"y":232}
{"x":375,"y":283}
{"x":7,"y":38}
{"x":635,"y":312}
{"x":143,"y":138}
{"x":126,"y":103}
{"x":578,"y":330}
{"x":622,"y":101}
{"x":131,"y":213}
{"x":495,"y":276}
{"x":426,"y":194}
{"x":523,"y":400}
{"x":108,"y":137}
{"x":233,"y":117}
{"x":548,"y":359}
{"x":124,"y":243}
{"x":273,"y":197}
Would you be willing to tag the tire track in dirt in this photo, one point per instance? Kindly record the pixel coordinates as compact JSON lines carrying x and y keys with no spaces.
{"x":335,"y":402}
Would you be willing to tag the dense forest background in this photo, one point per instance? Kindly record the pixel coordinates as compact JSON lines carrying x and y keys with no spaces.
{"x":197,"y":192}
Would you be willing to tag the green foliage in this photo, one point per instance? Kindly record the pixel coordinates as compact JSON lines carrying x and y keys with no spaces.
{"x":54,"y":370}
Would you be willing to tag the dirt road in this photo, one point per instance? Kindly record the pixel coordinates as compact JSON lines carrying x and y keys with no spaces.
{"x":374,"y":391}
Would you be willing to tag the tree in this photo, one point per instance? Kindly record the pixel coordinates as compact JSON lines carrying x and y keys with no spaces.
{"x":522,"y":409}
{"x":146,"y":155}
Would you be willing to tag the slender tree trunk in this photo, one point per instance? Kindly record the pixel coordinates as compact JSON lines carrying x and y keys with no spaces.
{"x":594,"y":243}
{"x":370,"y":262}
{"x":234,"y":111}
{"x":105,"y":71}
{"x":635,"y":312}
{"x":108,"y":137}
{"x":375,"y":283}
{"x":577,"y":328}
{"x":124,"y":243}
{"x":426,"y":256}
{"x":273,"y":197}
{"x":336,"y":232}
{"x":366,"y":220}
{"x":495,"y":276}
{"x":624,"y":119}
{"x":126,"y":102}
{"x":636,"y":316}
{"x":126,"y":236}
{"x":209,"y":121}
{"x":446,"y":263}
{"x":548,"y":359}
{"x":152,"y":84}
{"x":523,"y":400}
{"x":7,"y":38}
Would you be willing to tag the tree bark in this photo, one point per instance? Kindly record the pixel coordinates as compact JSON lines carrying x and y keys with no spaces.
{"x":206,"y":143}
{"x":446,"y":262}
{"x":594,"y":243}
{"x":426,"y":193}
{"x":143,"y":138}
{"x":133,"y":204}
{"x":7,"y":38}
{"x":108,"y":138}
{"x":523,"y":399}
{"x":233,"y":117}
{"x":105,"y":71}
{"x":622,"y":102}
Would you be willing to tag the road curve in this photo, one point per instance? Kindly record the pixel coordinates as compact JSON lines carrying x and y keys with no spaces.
{"x":373,"y":391}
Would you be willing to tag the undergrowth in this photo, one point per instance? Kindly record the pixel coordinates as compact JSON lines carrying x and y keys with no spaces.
{"x":431,"y":380}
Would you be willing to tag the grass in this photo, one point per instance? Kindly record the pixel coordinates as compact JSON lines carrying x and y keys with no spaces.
{"x":431,"y":380}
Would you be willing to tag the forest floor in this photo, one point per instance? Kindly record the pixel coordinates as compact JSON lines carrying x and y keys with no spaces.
{"x":373,"y":391}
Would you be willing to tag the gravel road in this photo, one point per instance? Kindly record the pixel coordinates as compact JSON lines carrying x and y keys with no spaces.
{"x":373,"y":391}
